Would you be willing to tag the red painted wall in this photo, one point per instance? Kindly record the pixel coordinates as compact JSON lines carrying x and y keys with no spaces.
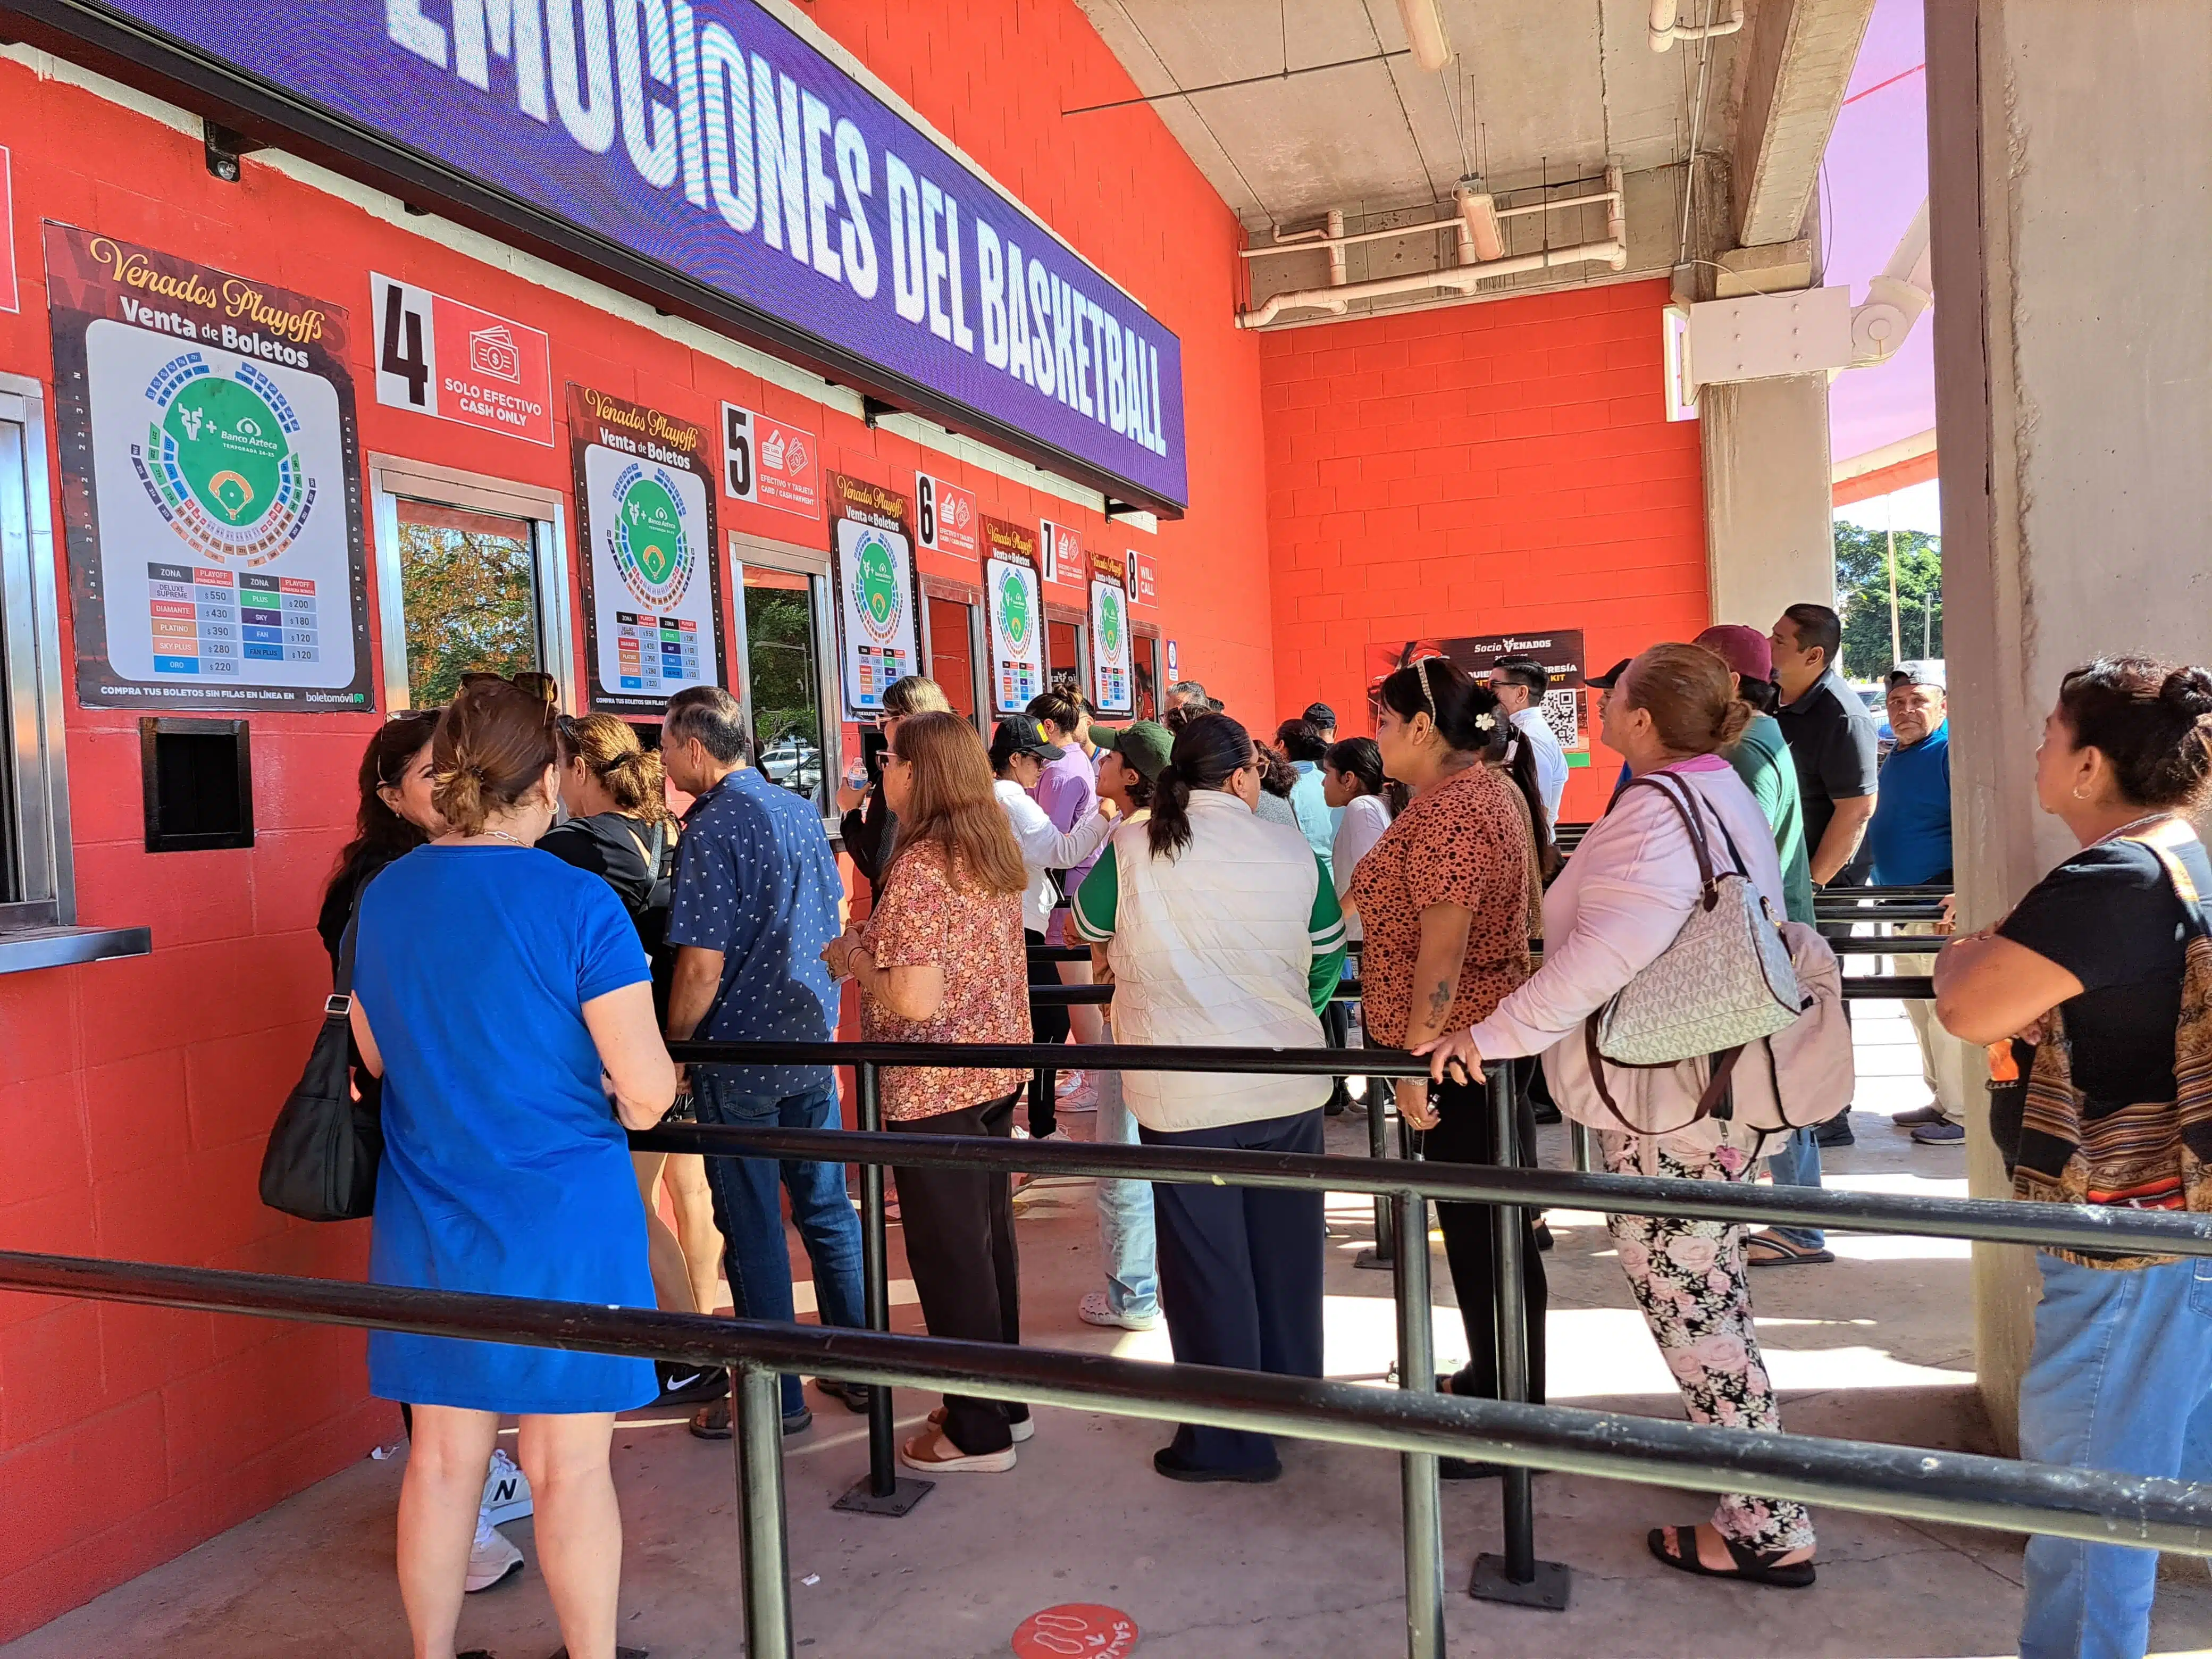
{"x":135,"y":1096}
{"x":1501,"y":467}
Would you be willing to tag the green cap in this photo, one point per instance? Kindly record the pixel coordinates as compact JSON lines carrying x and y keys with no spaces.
{"x":1144,"y":744}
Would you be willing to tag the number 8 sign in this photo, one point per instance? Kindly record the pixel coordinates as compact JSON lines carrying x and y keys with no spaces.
{"x":1075,"y":1631}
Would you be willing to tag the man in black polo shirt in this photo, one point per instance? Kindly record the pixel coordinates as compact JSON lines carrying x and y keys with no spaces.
{"x":1832,"y":740}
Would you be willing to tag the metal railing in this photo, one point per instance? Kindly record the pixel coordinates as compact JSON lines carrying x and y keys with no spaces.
{"x":1956,"y":1487}
{"x":1413,"y":1420}
{"x":1515,"y":1575}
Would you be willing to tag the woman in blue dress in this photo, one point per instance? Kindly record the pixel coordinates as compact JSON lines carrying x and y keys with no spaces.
{"x":503,"y":998}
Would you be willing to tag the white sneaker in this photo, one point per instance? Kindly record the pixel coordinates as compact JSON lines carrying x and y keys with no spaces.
{"x":1083,"y":1099}
{"x":1095,"y":1309}
{"x":1074,"y":1083}
{"x":491,"y":1559}
{"x":506,"y":1491}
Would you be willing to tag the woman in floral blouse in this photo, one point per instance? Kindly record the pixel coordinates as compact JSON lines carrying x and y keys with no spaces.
{"x":1444,"y":897}
{"x":941,"y":959}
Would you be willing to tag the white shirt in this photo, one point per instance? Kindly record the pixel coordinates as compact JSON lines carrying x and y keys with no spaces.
{"x":1551,"y":759}
{"x":1364,"y":819}
{"x":1044,"y":847}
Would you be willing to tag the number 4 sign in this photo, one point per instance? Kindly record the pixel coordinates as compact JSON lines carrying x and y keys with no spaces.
{"x":437,"y":356}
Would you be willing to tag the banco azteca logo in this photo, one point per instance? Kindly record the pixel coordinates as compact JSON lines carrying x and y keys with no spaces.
{"x":218,"y":460}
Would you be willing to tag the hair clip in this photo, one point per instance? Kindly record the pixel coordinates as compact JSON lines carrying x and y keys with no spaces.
{"x":1421,"y":668}
{"x":1485,"y":722}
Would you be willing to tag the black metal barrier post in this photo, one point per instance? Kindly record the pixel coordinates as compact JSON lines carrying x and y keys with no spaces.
{"x":1517,"y":1576}
{"x":1417,"y":1374}
{"x":1384,"y":1254}
{"x":885,"y":1492}
{"x":767,"y":1554}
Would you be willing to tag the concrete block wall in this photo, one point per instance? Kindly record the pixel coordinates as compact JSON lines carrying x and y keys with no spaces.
{"x":136,"y":1096}
{"x":1504,"y":466}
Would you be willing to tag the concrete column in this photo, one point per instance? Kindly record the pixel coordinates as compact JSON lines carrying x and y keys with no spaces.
{"x":2070,"y":156}
{"x":1769,"y":536}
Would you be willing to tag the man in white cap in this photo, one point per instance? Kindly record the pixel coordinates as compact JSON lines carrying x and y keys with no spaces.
{"x":1910,"y":836}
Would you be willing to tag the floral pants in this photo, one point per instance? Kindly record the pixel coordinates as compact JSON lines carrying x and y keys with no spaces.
{"x":1690,"y":1280}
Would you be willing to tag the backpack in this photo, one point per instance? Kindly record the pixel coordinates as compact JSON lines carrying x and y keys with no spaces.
{"x":651,"y":918}
{"x":1800,"y":1076}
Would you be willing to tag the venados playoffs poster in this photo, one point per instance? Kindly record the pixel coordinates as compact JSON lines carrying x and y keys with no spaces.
{"x":872,"y":537}
{"x":645,"y":524}
{"x":211,"y":484}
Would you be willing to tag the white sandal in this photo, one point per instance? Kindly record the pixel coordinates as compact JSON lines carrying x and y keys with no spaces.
{"x":935,"y":1453}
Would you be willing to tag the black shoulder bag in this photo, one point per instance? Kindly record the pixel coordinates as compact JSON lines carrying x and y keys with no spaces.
{"x":323,"y":1150}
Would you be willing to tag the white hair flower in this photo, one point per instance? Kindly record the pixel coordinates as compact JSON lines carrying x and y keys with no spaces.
{"x":1485,"y":722}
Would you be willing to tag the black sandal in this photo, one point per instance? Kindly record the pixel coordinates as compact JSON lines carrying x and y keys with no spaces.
{"x":1753,"y":1566}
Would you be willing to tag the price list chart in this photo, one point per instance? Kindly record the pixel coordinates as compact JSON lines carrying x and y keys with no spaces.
{"x":656,"y":653}
{"x":206,"y":622}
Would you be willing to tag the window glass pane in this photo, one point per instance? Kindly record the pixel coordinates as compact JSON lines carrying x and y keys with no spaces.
{"x":787,"y":681}
{"x":952,"y":655}
{"x":468,"y":586}
{"x":1063,"y":652}
{"x":1145,"y":659}
{"x":14,"y":545}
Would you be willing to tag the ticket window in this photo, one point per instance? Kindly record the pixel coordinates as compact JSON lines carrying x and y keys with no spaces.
{"x":37,"y":889}
{"x":786,"y":649}
{"x":1064,"y":651}
{"x":471,"y":577}
{"x":956,"y":652}
{"x":1145,"y":665}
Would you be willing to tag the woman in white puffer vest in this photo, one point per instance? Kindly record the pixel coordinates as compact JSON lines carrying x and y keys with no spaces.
{"x":1221,"y":930}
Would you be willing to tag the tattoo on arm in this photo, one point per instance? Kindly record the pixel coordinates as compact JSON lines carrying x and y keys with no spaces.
{"x":1440,"y":1000}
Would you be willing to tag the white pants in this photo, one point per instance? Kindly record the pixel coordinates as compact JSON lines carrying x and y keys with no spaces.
{"x":1943,"y":1058}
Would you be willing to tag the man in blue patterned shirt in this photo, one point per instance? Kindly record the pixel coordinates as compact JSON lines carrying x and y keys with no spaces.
{"x":756,"y":897}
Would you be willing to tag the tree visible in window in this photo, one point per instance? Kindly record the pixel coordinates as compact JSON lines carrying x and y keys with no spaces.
{"x":1862,"y":585}
{"x":470,"y":599}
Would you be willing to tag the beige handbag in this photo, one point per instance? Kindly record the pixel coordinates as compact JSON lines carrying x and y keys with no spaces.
{"x":1801,"y":1075}
{"x":1727,"y":979}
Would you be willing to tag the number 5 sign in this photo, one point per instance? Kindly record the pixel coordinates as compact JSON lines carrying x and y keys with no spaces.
{"x":768,"y":463}
{"x":437,"y":356}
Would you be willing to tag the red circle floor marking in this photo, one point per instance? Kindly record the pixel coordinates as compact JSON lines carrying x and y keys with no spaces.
{"x":1079,"y":1630}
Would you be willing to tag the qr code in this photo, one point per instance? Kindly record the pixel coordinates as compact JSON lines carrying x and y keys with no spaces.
{"x":1563,"y":712}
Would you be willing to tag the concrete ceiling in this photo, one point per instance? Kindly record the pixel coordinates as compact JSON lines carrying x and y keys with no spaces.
{"x":1541,"y":89}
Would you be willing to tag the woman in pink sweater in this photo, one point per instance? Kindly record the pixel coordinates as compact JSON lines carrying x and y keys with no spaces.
{"x":1618,"y":903}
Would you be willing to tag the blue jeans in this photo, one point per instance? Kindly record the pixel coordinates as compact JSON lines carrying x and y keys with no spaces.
{"x":1125,"y":1213}
{"x":754,"y":1253}
{"x":2120,"y":1379}
{"x":1797,"y":1163}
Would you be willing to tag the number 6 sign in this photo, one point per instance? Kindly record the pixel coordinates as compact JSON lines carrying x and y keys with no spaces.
{"x":1078,"y":1630}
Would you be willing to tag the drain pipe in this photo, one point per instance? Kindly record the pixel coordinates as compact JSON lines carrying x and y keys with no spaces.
{"x":1665,"y":31}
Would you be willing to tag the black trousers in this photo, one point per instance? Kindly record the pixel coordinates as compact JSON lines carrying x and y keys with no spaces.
{"x":1463,"y":1134}
{"x":1241,"y":1276}
{"x":959,"y":1229}
{"x":1336,"y":1026}
{"x":1051,"y":1026}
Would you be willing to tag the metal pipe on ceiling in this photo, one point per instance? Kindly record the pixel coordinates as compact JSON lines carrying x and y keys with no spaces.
{"x":1665,"y":30}
{"x":1463,"y":279}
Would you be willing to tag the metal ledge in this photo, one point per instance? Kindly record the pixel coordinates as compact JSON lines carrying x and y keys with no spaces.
{"x":22,"y":948}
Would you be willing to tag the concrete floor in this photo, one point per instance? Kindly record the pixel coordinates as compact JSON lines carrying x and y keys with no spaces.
{"x":1876,"y":1345}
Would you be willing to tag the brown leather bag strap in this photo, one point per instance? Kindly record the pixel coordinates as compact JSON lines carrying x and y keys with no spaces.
{"x":1708,"y":881}
{"x":1717,"y":1086}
